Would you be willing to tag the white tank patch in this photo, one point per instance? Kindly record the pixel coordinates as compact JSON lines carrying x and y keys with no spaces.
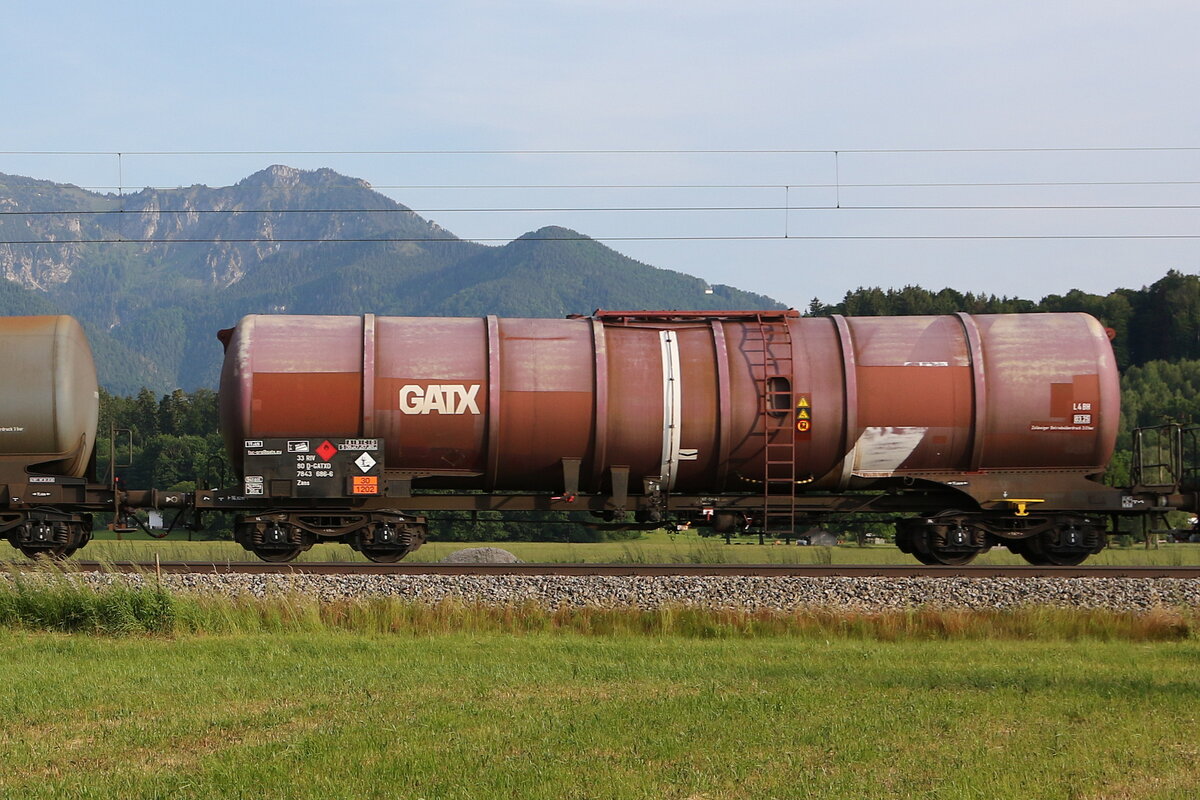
{"x":879,"y":452}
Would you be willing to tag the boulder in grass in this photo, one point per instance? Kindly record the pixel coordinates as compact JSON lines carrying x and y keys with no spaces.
{"x":481,"y":555}
{"x":819,"y":538}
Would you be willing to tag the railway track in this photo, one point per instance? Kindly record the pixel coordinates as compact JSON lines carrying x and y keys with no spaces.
{"x":647,"y":570}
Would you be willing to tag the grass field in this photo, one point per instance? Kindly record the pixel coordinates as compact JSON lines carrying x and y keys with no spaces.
{"x":491,"y":715}
{"x":287,"y":697}
{"x":654,"y":547}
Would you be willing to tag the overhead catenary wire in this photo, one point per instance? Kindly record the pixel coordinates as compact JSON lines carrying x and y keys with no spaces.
{"x":838,"y":202}
{"x":738,"y":186}
{"x":592,"y":209}
{"x":616,"y":151}
{"x":602,"y":238}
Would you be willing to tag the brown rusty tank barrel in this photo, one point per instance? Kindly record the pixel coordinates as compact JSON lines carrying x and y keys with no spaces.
{"x":50,"y":406}
{"x":497,"y":404}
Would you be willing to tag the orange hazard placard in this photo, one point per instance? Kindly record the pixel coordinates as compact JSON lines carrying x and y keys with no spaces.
{"x":366,"y":484}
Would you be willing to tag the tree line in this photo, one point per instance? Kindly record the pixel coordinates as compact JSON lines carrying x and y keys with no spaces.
{"x":1160,"y":322}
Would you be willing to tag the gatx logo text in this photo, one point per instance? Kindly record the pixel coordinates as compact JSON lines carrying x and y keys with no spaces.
{"x":439,"y":398}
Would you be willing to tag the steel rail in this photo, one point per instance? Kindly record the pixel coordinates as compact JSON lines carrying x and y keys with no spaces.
{"x":643,"y":570}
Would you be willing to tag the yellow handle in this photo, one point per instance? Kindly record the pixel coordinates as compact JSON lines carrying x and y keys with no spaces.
{"x":1019,"y":503}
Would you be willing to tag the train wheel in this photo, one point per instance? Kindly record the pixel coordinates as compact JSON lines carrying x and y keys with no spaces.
{"x":957,"y":559}
{"x":276,"y":555}
{"x":1036,"y":551}
{"x":55,"y":553}
{"x":1068,"y":559}
{"x":935,"y":557}
{"x":1028,"y":549}
{"x":385,"y":556}
{"x":925,"y":558}
{"x":947,"y":545}
{"x":388,"y":540}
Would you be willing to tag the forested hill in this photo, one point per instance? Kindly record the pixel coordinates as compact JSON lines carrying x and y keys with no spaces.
{"x":153,"y":275}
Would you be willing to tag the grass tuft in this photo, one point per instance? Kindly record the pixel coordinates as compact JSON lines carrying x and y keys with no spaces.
{"x":49,"y":599}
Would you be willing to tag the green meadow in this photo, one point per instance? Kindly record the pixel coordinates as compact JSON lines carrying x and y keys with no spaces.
{"x":569,"y":715}
{"x":121,"y":693}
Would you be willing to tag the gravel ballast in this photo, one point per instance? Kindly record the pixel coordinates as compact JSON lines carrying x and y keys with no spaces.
{"x":751,"y":593}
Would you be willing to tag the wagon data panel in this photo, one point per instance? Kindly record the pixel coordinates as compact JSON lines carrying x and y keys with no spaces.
{"x":313,"y":467}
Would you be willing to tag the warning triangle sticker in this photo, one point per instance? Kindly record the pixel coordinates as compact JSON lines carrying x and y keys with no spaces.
{"x":802,"y":403}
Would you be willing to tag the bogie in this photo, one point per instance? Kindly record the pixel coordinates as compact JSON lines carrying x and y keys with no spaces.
{"x":947,"y":541}
{"x":1067,"y":545}
{"x":385,"y":536}
{"x":57,"y":536}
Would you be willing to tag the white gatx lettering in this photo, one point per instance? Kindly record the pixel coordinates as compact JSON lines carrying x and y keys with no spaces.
{"x":467,"y":395}
{"x":435,"y":400}
{"x":451,"y":398}
{"x":411,"y":398}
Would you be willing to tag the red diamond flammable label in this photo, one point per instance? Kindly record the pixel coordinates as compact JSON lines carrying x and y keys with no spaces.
{"x":326,"y":451}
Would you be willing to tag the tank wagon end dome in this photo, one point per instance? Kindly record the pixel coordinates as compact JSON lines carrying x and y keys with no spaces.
{"x":49,"y":414}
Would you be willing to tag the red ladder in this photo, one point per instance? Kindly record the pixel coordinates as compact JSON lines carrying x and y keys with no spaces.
{"x":768,"y":345}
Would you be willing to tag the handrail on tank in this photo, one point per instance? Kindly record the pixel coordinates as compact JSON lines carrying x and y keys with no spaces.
{"x":113,"y":433}
{"x":686,"y":316}
{"x":1158,"y":457}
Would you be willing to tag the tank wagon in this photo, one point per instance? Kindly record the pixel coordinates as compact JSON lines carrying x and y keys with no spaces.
{"x":48,"y":418}
{"x":969,"y":430}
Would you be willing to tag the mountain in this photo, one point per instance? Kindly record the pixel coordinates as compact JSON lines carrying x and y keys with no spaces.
{"x":154,"y":274}
{"x":198,"y":236}
{"x":556,"y":271}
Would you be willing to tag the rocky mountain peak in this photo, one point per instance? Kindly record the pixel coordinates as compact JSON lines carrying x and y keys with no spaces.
{"x":281,"y":176}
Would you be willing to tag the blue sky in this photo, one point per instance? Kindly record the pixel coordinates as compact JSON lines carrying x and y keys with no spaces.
{"x":365,"y":81}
